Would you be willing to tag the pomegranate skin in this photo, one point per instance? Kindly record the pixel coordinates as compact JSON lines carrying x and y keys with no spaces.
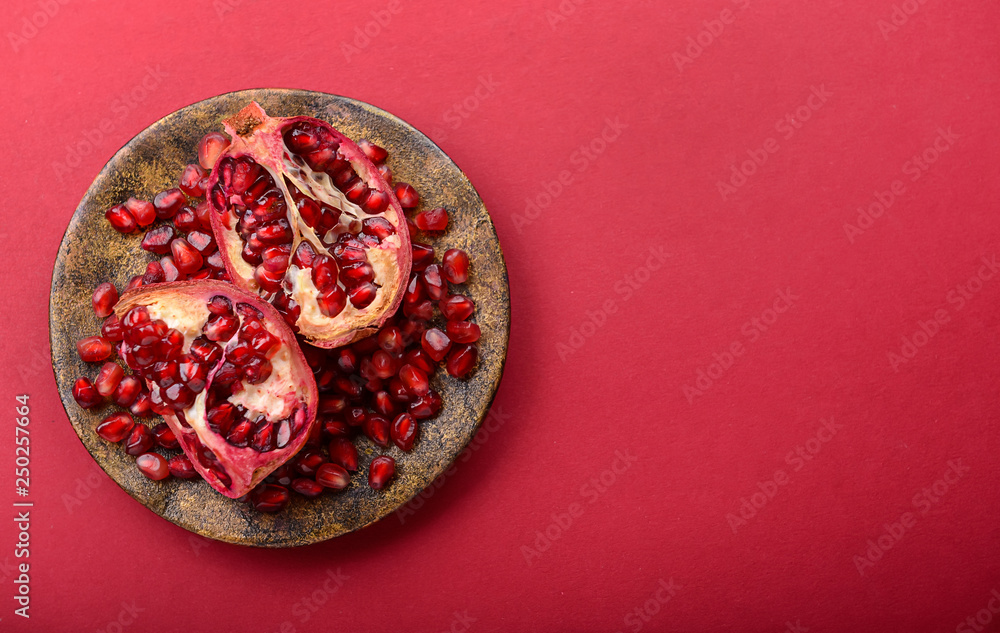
{"x":260,"y":136}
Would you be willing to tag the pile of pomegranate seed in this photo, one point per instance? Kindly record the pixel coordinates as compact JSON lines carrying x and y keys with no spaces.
{"x":378,"y":387}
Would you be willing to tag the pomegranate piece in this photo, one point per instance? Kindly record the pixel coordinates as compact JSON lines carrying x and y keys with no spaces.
{"x":463,"y":331}
{"x":239,"y":406}
{"x":121,"y":219}
{"x":333,"y":476}
{"x":455,"y":266}
{"x":375,"y":153}
{"x":381,"y":471}
{"x":108,"y":378}
{"x":432,"y":220}
{"x":269,"y":498}
{"x":153,"y":466}
{"x":116,"y":427}
{"x":404,"y":431}
{"x":94,"y":349}
{"x":298,"y":182}
{"x":85,"y":394}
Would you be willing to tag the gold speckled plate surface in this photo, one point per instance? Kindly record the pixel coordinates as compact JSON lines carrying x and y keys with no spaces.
{"x":92,"y":252}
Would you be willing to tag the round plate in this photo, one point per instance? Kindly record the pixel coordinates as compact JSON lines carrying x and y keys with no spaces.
{"x":92,"y":252}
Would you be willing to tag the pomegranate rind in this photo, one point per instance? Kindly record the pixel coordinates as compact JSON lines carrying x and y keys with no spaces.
{"x":246,"y":466}
{"x":255,"y":133}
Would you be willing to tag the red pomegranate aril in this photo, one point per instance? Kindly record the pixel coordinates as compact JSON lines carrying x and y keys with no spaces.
{"x":419,"y":359}
{"x":210,"y":147}
{"x":264,"y":438}
{"x":239,"y":435}
{"x":436,"y":287}
{"x":269,"y":281}
{"x":158,"y":240}
{"x":153,"y":466}
{"x":140,"y":407}
{"x":180,"y":466}
{"x":333,"y":476}
{"x":221,"y":328}
{"x":414,"y":379}
{"x":426,"y":406}
{"x":202,"y":242}
{"x":378,"y":202}
{"x":141,"y":210}
{"x":405,"y":430}
{"x":139,"y":440}
{"x":94,"y":349}
{"x":436,"y":343}
{"x":111,"y":329}
{"x":108,"y":378}
{"x":269,"y":498}
{"x":332,"y":302}
{"x":86,"y":394}
{"x":463,"y":331}
{"x":165,"y":437}
{"x":168,"y":203}
{"x":407,"y":195}
{"x":415,"y":292}
{"x":121,"y":219}
{"x":134,"y":282}
{"x":423,"y":256}
{"x":423,"y":310}
{"x":116,"y":427}
{"x":355,"y":416}
{"x":386,"y":172}
{"x":186,"y":257}
{"x":374,"y":152}
{"x":455,"y":266}
{"x":457,"y":308}
{"x":308,"y":463}
{"x":257,"y":370}
{"x":104,"y":299}
{"x":186,"y":219}
{"x":191,"y":181}
{"x":154,"y":274}
{"x":381,"y":471}
{"x":170,"y":272}
{"x":127,"y":391}
{"x":362,"y":295}
{"x":324,"y":272}
{"x":336,"y":427}
{"x":377,"y":227}
{"x":462,"y":360}
{"x":307,"y":487}
{"x":391,"y":340}
{"x":377,"y":429}
{"x":344,"y":453}
{"x":432,"y":220}
{"x":384,"y":404}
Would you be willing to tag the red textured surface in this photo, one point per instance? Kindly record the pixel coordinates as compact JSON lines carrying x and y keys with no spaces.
{"x":548,"y":89}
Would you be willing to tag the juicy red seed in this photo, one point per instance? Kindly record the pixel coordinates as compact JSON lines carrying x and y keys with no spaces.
{"x":333,"y":301}
{"x":154,"y":274}
{"x":302,"y":137}
{"x":358,"y":193}
{"x":139,"y":440}
{"x":391,"y":340}
{"x":191,"y":181}
{"x":407,"y":195}
{"x":104,"y":300}
{"x":307,"y":487}
{"x":257,"y":370}
{"x":398,"y":392}
{"x":436,"y":343}
{"x":386,"y":172}
{"x":378,"y":430}
{"x":324,"y":272}
{"x":210,"y":147}
{"x":186,"y":220}
{"x":461,"y":360}
{"x":357,"y":273}
{"x":383,"y":403}
{"x":202,"y":242}
{"x":142,"y":210}
{"x":204,"y":214}
{"x":463,"y":331}
{"x":152,"y":465}
{"x":180,"y":466}
{"x":239,"y":435}
{"x":140,"y":408}
{"x":344,"y":453}
{"x":220,"y":305}
{"x":378,"y":227}
{"x":158,"y":240}
{"x":423,"y":256}
{"x":264,"y":439}
{"x":336,"y":427}
{"x":94,"y":349}
{"x":304,"y":255}
{"x":205,"y":350}
{"x":268,"y":281}
{"x":127,"y":391}
{"x":108,"y":378}
{"x":457,"y":308}
{"x":414,"y":379}
{"x":426,"y":406}
{"x":168,"y":203}
{"x":433,"y":220}
{"x":121,"y":219}
{"x":164,"y":436}
{"x":356,"y":416}
{"x":377,"y":202}
{"x":455,"y":266}
{"x":414,"y":292}
{"x":433,"y":282}
{"x":308,"y":463}
{"x":332,"y":404}
{"x":187,"y":259}
{"x":362,"y":295}
{"x":404,"y":431}
{"x":221,"y":328}
{"x":347,"y":360}
{"x":419,"y":359}
{"x":372,"y":151}
{"x":170,"y":272}
{"x":134,"y":282}
{"x":333,"y":476}
{"x":423,"y":310}
{"x":269,"y":498}
{"x":85,"y":394}
{"x":381,"y":471}
{"x":115,"y":427}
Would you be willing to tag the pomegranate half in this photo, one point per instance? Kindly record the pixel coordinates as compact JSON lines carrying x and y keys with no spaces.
{"x":225,"y":372}
{"x":303,"y":218}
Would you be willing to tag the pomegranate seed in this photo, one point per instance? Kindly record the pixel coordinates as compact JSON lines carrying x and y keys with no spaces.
{"x":85,"y":394}
{"x":324,"y":272}
{"x":120,"y":219}
{"x":239,"y":435}
{"x":180,"y":466}
{"x":164,"y":436}
{"x":190,"y":182}
{"x":269,"y":498}
{"x":427,"y":406}
{"x":187,"y":259}
{"x":386,"y":172}
{"x":404,"y":431}
{"x":111,"y":329}
{"x":373,"y":151}
{"x":186,"y":220}
{"x":154,"y":274}
{"x":384,"y":404}
{"x":391,"y":340}
{"x":419,"y":359}
{"x":423,"y":310}
{"x":377,"y":202}
{"x":344,"y":453}
{"x":153,"y":466}
{"x":210,"y":147}
{"x":356,"y":416}
{"x":168,"y":203}
{"x":433,"y":220}
{"x":94,"y":349}
{"x":333,"y":476}
{"x":134,"y":282}
{"x":414,"y":379}
{"x":307,"y":487}
{"x":433,"y":282}
{"x":463,"y":331}
{"x":381,"y":471}
{"x":423,"y":256}
{"x":333,"y":301}
{"x":115,"y":427}
{"x":170,"y":272}
{"x":139,"y":440}
{"x":407,"y":195}
{"x":331,"y":404}
{"x":362,"y":295}
{"x":462,"y":360}
{"x":202,"y":242}
{"x":308,"y":463}
{"x":377,"y":429}
{"x":455,"y":266}
{"x":436,"y":343}
{"x":158,"y":240}
{"x":336,"y":427}
{"x":203,"y":212}
{"x":142,"y":210}
{"x":104,"y":300}
{"x":221,"y":328}
{"x":127,"y":390}
{"x":457,"y":308}
{"x":141,"y":408}
{"x":108,"y":378}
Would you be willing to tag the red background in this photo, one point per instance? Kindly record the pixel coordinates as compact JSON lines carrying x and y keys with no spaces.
{"x":617,"y":387}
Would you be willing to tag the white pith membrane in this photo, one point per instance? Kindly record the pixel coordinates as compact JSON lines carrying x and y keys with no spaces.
{"x":276,"y":398}
{"x":295,"y":173}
